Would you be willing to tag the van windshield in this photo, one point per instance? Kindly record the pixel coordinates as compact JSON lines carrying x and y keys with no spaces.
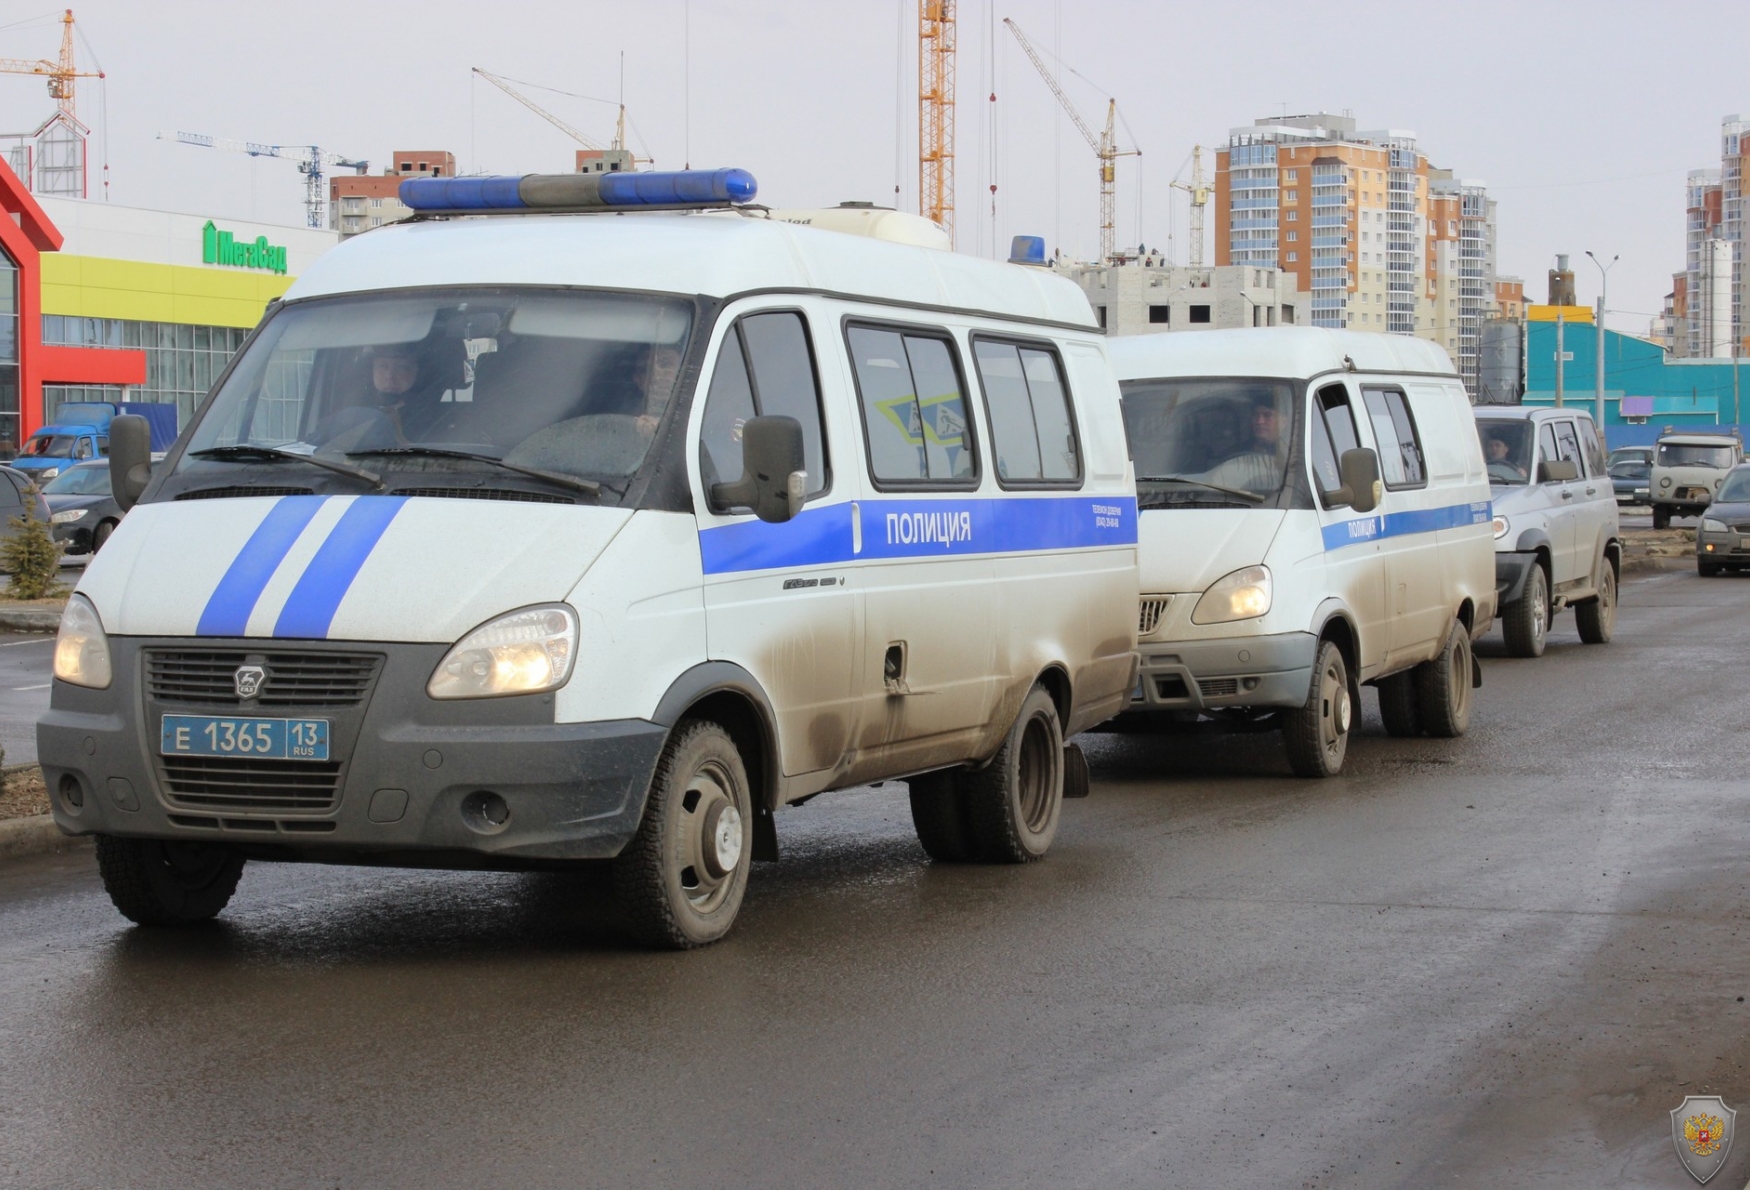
{"x":1680,"y":454}
{"x":1507,"y":446}
{"x":508,"y":383}
{"x":1209,"y":441}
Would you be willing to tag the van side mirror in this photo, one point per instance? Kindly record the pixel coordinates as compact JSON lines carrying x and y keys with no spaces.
{"x":773,"y":480}
{"x":130,"y":458}
{"x":1359,"y":469}
{"x":1558,"y":471}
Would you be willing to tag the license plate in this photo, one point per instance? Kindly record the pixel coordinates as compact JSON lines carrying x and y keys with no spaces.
{"x":273,"y":739}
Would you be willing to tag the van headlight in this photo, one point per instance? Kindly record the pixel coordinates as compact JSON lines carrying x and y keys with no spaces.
{"x":81,"y":648}
{"x":521,"y":652}
{"x":1501,"y":526}
{"x":1709,"y":525}
{"x":1242,"y":595}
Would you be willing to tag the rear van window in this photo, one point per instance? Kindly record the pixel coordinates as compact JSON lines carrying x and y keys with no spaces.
{"x":1033,"y":436}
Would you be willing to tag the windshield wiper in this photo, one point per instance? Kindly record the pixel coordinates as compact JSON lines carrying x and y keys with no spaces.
{"x":587,"y":486}
{"x":1203,"y":483}
{"x":275,"y":454}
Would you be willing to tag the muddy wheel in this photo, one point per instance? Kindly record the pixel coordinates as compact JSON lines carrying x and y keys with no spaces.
{"x":156,"y":883}
{"x":1597,"y":617}
{"x":938,"y":816}
{"x":1012,"y":805}
{"x":1317,"y":733}
{"x":1443,"y":686}
{"x":680,"y":881}
{"x":1525,"y":622}
{"x":1399,"y":707}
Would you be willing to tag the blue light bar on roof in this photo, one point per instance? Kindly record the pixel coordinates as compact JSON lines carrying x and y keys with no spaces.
{"x":612,"y":191}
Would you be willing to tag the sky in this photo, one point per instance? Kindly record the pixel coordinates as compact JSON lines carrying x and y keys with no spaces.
{"x":1582,"y":118}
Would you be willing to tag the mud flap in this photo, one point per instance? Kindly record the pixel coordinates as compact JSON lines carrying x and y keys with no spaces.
{"x":1076,"y":780}
{"x":765,"y":836}
{"x":1476,"y":675}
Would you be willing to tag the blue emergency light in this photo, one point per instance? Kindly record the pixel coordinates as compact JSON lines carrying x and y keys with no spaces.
{"x":1022,"y":249}
{"x":609,"y":191}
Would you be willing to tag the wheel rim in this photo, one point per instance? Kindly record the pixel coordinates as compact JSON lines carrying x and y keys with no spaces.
{"x":712,"y":837}
{"x":192,"y":866}
{"x":1539,"y":609}
{"x":1037,"y":769}
{"x":1458,"y":679}
{"x":1335,"y":710}
{"x":1607,"y":598}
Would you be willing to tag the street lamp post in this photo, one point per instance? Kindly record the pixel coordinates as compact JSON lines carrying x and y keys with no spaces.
{"x":1598,"y":333}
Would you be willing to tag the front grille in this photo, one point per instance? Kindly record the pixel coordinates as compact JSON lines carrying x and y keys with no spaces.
{"x":251,"y":784}
{"x":487,"y":494}
{"x":294,"y":679}
{"x":1745,"y":528}
{"x":1152,"y":608}
{"x":239,"y":490}
{"x":1219,"y":687}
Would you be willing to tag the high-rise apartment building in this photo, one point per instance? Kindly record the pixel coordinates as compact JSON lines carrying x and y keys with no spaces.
{"x":357,"y":203}
{"x":1711,"y":296}
{"x":1379,"y":238}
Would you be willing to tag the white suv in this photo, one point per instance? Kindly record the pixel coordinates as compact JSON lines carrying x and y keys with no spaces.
{"x":1556,"y":529}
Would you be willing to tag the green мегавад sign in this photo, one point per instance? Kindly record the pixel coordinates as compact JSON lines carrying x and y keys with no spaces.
{"x":221,"y":247}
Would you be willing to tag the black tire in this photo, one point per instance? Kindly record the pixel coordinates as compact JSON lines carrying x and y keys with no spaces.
{"x":1013,"y":804}
{"x":1399,"y":708}
{"x":938,"y":814}
{"x":1661,"y":517}
{"x":1708,"y":569}
{"x":1317,"y":733}
{"x":1525,"y":621}
{"x":155,"y":883}
{"x":680,"y":881}
{"x":101,"y":534}
{"x":1443,"y":686}
{"x":1597,"y":617}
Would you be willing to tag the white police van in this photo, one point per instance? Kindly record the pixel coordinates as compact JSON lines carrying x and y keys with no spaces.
{"x":527,"y":539}
{"x":1314,"y":516}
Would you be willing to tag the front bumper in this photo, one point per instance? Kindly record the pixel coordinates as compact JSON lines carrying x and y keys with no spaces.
{"x":408,"y":768}
{"x":1728,"y":548}
{"x":75,"y":537}
{"x":1511,"y":571}
{"x":1238,"y":671}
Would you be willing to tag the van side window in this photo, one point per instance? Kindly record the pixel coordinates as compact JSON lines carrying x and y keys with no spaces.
{"x":765,"y":368}
{"x":1333,"y":432}
{"x":1597,"y":463}
{"x":1033,"y":436}
{"x":1400,"y":451}
{"x":914,"y":411}
{"x":1567,"y":445}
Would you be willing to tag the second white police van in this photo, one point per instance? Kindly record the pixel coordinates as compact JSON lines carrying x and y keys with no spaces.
{"x":1314,"y":516}
{"x":530,"y":539}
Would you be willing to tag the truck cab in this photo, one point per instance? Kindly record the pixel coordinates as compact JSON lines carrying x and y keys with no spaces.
{"x":80,"y":433}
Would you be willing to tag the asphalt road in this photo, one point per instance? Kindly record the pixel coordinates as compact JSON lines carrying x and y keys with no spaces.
{"x":25,"y":667}
{"x":1495,"y":961}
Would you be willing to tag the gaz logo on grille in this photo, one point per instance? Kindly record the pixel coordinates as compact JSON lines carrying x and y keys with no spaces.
{"x":248,"y":680}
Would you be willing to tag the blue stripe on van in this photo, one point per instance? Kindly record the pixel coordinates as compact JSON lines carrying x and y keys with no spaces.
{"x":913,"y":528}
{"x":310,"y":608}
{"x":1402,"y":524}
{"x":228,"y":608}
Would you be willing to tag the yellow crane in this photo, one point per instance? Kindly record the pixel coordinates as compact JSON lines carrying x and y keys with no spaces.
{"x":936,"y":112}
{"x":619,"y":141}
{"x":1199,"y":192}
{"x":1105,"y":145}
{"x":61,"y":72}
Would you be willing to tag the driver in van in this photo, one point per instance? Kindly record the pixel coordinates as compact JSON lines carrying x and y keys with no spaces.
{"x":1259,"y":466}
{"x":1498,"y":454}
{"x":399,"y":408}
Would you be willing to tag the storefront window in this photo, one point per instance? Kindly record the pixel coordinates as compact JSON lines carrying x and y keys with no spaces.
{"x":8,"y":355}
{"x":182,"y":362}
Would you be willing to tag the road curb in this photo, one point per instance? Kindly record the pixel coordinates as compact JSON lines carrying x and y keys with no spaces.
{"x":33,"y":835}
{"x":29,"y":620}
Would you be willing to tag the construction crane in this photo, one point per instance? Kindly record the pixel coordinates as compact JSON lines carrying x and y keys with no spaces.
{"x":61,"y":73}
{"x":618,"y":144}
{"x":1199,"y":193}
{"x":936,"y":112}
{"x":309,"y":159}
{"x":1105,"y":145}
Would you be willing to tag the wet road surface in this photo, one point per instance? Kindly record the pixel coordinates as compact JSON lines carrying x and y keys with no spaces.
{"x":26,"y":665}
{"x":1484,"y":962}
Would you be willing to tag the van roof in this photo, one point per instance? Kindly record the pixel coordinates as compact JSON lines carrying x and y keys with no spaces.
{"x":712,"y":254}
{"x":1698,"y":439}
{"x":1288,"y":351}
{"x":1529,"y":412}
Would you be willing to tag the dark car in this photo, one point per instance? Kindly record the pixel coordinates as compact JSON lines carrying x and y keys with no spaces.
{"x":16,"y":494}
{"x":1722,"y":540}
{"x":1633,"y":479}
{"x":82,"y":513}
